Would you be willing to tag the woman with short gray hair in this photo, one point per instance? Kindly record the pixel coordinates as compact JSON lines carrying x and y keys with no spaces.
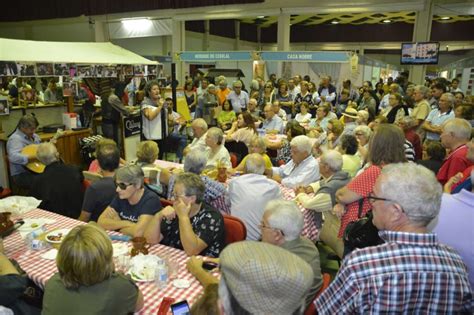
{"x":133,"y":206}
{"x":217,"y":152}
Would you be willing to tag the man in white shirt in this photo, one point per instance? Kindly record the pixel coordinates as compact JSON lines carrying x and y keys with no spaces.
{"x":333,"y":178}
{"x":199,"y":127}
{"x":250,"y":193}
{"x":272,"y":123}
{"x":239,"y":98}
{"x":293,"y":90}
{"x":303,"y":168}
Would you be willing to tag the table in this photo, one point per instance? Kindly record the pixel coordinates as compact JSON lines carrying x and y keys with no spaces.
{"x":168,"y":164}
{"x":40,"y":270}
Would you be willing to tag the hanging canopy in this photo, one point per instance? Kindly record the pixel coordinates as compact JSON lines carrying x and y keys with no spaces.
{"x":68,"y":52}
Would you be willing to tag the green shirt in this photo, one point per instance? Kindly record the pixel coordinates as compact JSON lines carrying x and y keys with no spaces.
{"x":226,"y":117}
{"x":116,"y":295}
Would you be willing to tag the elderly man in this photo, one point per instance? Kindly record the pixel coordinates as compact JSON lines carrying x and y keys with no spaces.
{"x":438,"y":116}
{"x":279,"y":111}
{"x":303,"y":168}
{"x":238,"y":98}
{"x":23,"y":136}
{"x":455,"y":134}
{"x":253,"y":110}
{"x":456,"y":214}
{"x":333,"y":178}
{"x":384,"y":103}
{"x":215,"y":193}
{"x":101,"y":192}
{"x":189,"y":224}
{"x":281,"y":225}
{"x":199,"y":127}
{"x":59,"y":187}
{"x":250,"y":193}
{"x":411,"y":272}
{"x":272,"y":123}
{"x":422,"y":107}
{"x":326,"y":91}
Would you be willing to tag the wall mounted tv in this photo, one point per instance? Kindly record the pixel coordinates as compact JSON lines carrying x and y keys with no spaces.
{"x":421,"y":53}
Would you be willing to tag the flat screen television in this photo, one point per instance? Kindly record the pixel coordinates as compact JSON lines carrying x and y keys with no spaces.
{"x":421,"y":53}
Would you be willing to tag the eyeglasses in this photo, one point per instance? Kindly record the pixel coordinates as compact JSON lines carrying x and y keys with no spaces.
{"x":263,"y":226}
{"x":122,"y":186}
{"x":372,"y":198}
{"x":359,"y":134}
{"x":176,"y":196}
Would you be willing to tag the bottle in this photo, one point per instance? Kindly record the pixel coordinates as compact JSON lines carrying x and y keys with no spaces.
{"x":161,"y":274}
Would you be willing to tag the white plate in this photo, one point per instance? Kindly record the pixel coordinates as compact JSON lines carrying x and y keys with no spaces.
{"x":138,"y":279}
{"x":63,"y":232}
{"x":182,"y":283}
{"x":120,"y":249}
{"x":31,"y":225}
{"x":50,"y":254}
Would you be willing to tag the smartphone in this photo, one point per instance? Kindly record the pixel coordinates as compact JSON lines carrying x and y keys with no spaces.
{"x":209,"y":265}
{"x":180,"y":308}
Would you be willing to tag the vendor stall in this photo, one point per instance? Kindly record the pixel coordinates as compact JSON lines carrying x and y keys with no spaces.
{"x":68,"y":63}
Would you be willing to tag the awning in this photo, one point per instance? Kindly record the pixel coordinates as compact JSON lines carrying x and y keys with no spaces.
{"x":68,"y":52}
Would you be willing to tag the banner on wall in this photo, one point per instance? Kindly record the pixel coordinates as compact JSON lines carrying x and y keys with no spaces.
{"x":306,"y":56}
{"x":214,"y":56}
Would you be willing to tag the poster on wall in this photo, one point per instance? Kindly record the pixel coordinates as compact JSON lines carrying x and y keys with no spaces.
{"x":8,"y":68}
{"x":259,"y":69}
{"x":84,"y":71}
{"x":4,"y":110}
{"x":26,"y":69}
{"x":151,"y":70}
{"x":61,"y":69}
{"x":139,"y":70}
{"x":45,"y":69}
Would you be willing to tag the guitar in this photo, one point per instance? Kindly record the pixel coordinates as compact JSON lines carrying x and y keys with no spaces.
{"x":30,"y":150}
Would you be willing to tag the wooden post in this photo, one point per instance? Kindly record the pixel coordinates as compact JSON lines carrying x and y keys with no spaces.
{"x":70,"y":104}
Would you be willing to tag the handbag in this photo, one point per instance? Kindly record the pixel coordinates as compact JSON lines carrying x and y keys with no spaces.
{"x":362,"y":233}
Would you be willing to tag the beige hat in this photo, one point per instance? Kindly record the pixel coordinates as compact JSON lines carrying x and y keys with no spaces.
{"x":350,"y":112}
{"x":264,"y":278}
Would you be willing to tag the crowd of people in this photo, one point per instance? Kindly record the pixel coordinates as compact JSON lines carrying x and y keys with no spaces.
{"x":400,"y":154}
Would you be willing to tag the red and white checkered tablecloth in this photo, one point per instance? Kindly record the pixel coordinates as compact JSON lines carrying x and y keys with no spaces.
{"x":309,"y":229}
{"x":40,"y":270}
{"x":168,"y":164}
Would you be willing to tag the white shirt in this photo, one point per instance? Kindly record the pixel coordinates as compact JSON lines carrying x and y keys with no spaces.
{"x":199,"y":143}
{"x":249,"y":195}
{"x":303,"y":174}
{"x":221,"y":156}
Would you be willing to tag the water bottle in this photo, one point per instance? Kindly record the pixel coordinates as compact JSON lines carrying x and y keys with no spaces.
{"x":161,"y":274}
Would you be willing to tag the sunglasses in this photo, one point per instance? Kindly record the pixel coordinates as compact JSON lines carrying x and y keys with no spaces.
{"x":122,"y":186}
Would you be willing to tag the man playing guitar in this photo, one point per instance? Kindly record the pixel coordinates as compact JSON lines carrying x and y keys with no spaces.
{"x":23,"y":136}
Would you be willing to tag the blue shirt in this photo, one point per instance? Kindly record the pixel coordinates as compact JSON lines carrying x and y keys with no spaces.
{"x":437,"y":118}
{"x":276,"y":123}
{"x":17,"y":141}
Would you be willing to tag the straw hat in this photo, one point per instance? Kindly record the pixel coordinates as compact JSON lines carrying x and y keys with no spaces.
{"x":350,"y":112}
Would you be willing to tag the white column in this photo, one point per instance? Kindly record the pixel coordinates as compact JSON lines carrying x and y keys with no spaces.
{"x":177,"y":45}
{"x":421,"y":33}
{"x":237,"y":35}
{"x":283,"y":32}
{"x":101,"y":32}
{"x":205,"y":36}
{"x":259,"y":37}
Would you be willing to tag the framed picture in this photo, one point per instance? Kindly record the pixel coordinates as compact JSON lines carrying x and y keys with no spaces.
{"x":4,"y":110}
{"x":26,"y":69}
{"x":28,"y":95}
{"x":127,"y":70}
{"x":85,"y":71}
{"x":8,"y":68}
{"x":151,"y":70}
{"x":139,"y":70}
{"x":45,"y":69}
{"x":62,"y":69}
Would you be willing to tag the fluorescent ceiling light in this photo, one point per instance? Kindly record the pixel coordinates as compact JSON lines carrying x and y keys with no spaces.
{"x":260,"y":16}
{"x":334,"y":22}
{"x":387,"y":21}
{"x":445,"y":18}
{"x":137,"y":24}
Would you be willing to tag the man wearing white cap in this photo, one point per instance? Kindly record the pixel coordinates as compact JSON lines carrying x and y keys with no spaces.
{"x":350,"y":117}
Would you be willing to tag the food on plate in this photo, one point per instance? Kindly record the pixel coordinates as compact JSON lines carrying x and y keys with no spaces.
{"x":34,"y":225}
{"x":55,"y":238}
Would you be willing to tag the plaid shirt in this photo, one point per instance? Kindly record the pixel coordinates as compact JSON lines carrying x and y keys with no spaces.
{"x":410,"y":274}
